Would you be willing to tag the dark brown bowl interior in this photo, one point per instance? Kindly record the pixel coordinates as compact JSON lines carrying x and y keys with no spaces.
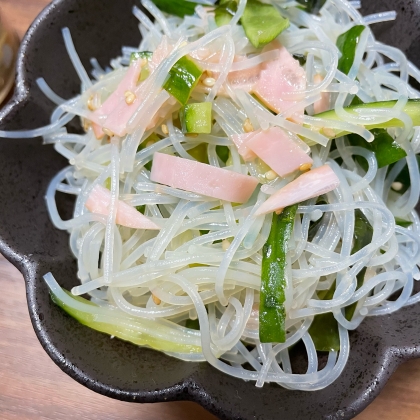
{"x":28,"y":239}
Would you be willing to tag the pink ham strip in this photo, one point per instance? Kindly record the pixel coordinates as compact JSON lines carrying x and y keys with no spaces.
{"x":115,"y":112}
{"x":241,"y":141}
{"x":99,"y":201}
{"x":322,"y":104}
{"x":161,"y":52}
{"x":202,"y":179}
{"x":279,"y":76}
{"x":278,"y":151}
{"x":311,"y":184}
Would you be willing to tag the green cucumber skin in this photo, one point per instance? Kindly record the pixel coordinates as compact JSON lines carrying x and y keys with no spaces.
{"x":197,"y":118}
{"x":324,"y":327}
{"x":183,"y":78}
{"x":412,"y":108}
{"x":347,"y":44}
{"x":272,"y":313}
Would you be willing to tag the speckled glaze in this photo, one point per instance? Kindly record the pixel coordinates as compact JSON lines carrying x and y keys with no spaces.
{"x":28,"y":239}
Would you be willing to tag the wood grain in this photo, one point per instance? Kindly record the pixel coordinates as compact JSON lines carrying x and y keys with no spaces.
{"x":32,"y":387}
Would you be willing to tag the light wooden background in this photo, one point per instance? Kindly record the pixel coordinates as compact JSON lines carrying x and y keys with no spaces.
{"x":32,"y":387}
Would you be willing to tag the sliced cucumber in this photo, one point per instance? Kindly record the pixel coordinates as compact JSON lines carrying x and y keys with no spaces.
{"x":183,"y":78}
{"x":139,"y":55}
{"x":196,"y":118}
{"x":412,"y":109}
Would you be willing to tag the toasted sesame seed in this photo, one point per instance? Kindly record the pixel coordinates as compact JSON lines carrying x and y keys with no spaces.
{"x":225,"y":244}
{"x":329,"y":132}
{"x":305,"y":167}
{"x":209,"y":81}
{"x":209,"y":73}
{"x":130,"y":97}
{"x":318,"y":78}
{"x":270,"y":175}
{"x":248,"y":127}
{"x":397,"y":186}
{"x":164,"y":128}
{"x":279,"y":211}
{"x":86,"y":124}
{"x":90,"y":104}
{"x":108,"y":132}
{"x":156,"y":300}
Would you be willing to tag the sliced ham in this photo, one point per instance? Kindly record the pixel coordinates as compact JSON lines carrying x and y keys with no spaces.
{"x":202,"y":179}
{"x":278,"y":151}
{"x":99,"y":201}
{"x":241,"y":141}
{"x":115,"y":112}
{"x":245,"y":79}
{"x":97,"y":129}
{"x":310,"y":184}
{"x":279,"y":76}
{"x":322,"y":104}
{"x":161,"y":52}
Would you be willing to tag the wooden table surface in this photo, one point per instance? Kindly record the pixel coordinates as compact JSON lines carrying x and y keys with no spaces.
{"x":32,"y":387}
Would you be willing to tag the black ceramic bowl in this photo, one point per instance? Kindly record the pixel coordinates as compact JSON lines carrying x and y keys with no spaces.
{"x":28,"y":239}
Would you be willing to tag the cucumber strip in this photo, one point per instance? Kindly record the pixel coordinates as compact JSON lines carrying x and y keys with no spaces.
{"x":324,"y":328}
{"x":262,"y":23}
{"x":412,"y":109}
{"x":196,"y":118}
{"x":386,"y":149}
{"x":272,"y":315}
{"x":311,"y":6}
{"x":347,"y":44}
{"x":120,"y":325}
{"x":176,"y":7}
{"x":139,"y":55}
{"x":183,"y":78}
{"x":363,"y":233}
{"x":224,"y":12}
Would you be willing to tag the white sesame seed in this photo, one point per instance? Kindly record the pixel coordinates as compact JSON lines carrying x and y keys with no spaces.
{"x":397,"y":186}
{"x":156,"y":300}
{"x":90,"y":104}
{"x":318,"y":78}
{"x":225,"y":244}
{"x":248,"y":127}
{"x":363,"y":311}
{"x":270,"y":175}
{"x":209,"y":81}
{"x":329,"y":132}
{"x":130,"y":97}
{"x":108,"y":132}
{"x":305,"y":167}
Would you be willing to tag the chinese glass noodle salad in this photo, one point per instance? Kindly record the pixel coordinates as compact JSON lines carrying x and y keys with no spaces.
{"x":247,"y":180}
